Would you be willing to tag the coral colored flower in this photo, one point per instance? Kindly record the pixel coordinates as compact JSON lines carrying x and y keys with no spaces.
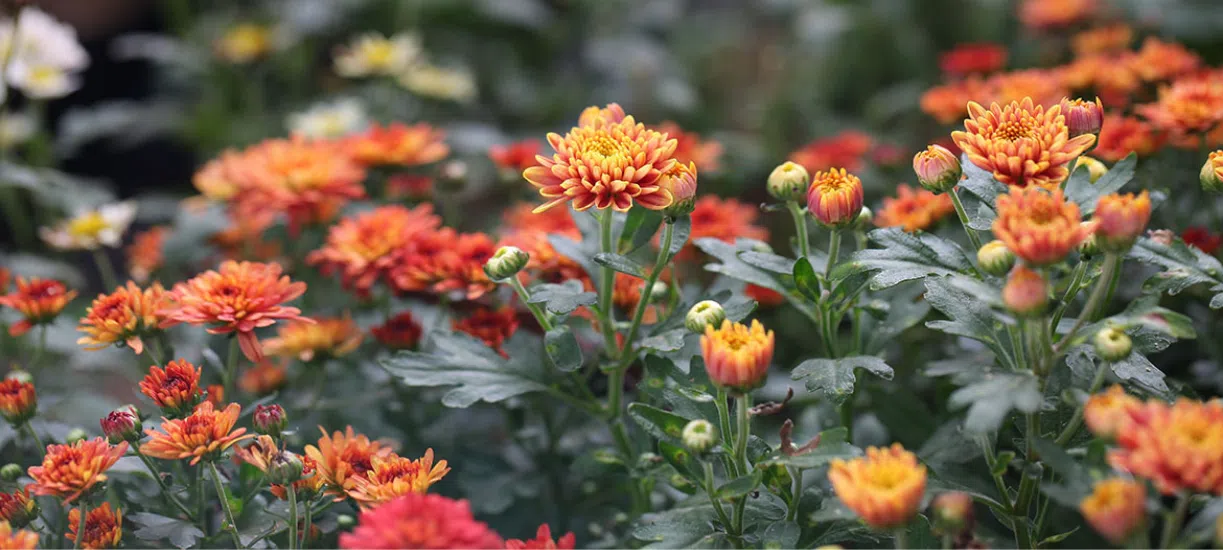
{"x":1108,"y":411}
{"x":306,"y":340}
{"x":103,"y":527}
{"x":92,"y":229}
{"x":884,"y":488}
{"x":691,"y":148}
{"x":593,"y":116}
{"x":1202,"y":239}
{"x":373,"y":54}
{"x":306,"y":180}
{"x":737,"y":356}
{"x":494,"y":327}
{"x":394,"y":476}
{"x":835,"y":197}
{"x":1157,"y":60}
{"x":725,"y":220}
{"x":1187,"y":108}
{"x":420,"y":521}
{"x":368,"y":246}
{"x":1046,"y":14}
{"x":845,"y":149}
{"x":244,"y":239}
{"x":1039,"y":226}
{"x":1116,"y":508}
{"x":966,"y":59}
{"x":1021,"y":144}
{"x":342,"y":456}
{"x":1043,"y":86}
{"x":606,"y":164}
{"x":445,"y":262}
{"x":401,"y":331}
{"x":937,"y":168}
{"x":398,"y":145}
{"x":215,"y":394}
{"x":945,"y":103}
{"x":244,"y":43}
{"x":520,"y":218}
{"x":1026,"y":292}
{"x":1122,"y":135}
{"x":263,"y":378}
{"x":1177,"y":447}
{"x":238,"y":297}
{"x":543,"y":541}
{"x":414,"y":187}
{"x":123,"y":317}
{"x":766,"y":297}
{"x":18,"y":401}
{"x":175,"y":389}
{"x":18,"y":508}
{"x":681,"y":183}
{"x":17,"y":539}
{"x":38,"y":301}
{"x":1121,"y":219}
{"x":204,"y":434}
{"x":515,"y":157}
{"x":913,"y":209}
{"x":259,"y":453}
{"x":1082,"y":116}
{"x":1109,"y":39}
{"x":69,"y":471}
{"x":146,"y":254}
{"x":217,"y":180}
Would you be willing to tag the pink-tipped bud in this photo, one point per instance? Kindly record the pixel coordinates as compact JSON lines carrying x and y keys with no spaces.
{"x":952,"y":512}
{"x":1026,"y":292}
{"x":270,"y":420}
{"x":1083,"y":117}
{"x":938,"y":170}
{"x":835,"y":197}
{"x":122,"y":424}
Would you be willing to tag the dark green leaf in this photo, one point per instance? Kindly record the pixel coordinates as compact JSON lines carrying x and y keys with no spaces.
{"x":806,"y":280}
{"x":990,"y":399}
{"x":623,"y":264}
{"x":562,"y":348}
{"x":580,"y":252}
{"x":659,"y":423}
{"x":639,"y":227}
{"x":1184,"y":266}
{"x":966,"y":303}
{"x":1086,"y":194}
{"x":738,"y":487}
{"x":679,"y":236}
{"x":904,"y":257}
{"x":734,"y":267}
{"x":1054,"y":539}
{"x":738,"y":308}
{"x":782,"y":534}
{"x":979,"y":184}
{"x":680,"y":459}
{"x":480,"y":374}
{"x":1201,"y":529}
{"x":833,"y":379}
{"x":668,"y":341}
{"x":152,"y":527}
{"x":768,"y":262}
{"x":676,"y":528}
{"x":918,"y":534}
{"x":562,"y":299}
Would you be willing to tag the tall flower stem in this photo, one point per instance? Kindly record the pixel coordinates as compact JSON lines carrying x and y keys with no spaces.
{"x":1077,"y":420}
{"x":306,"y":532}
{"x":1111,"y":263}
{"x":105,"y":268}
{"x":743,"y":429}
{"x":162,"y":484}
{"x":1072,"y":290}
{"x":834,"y":251}
{"x":1173,"y":520}
{"x":901,"y":538}
{"x":963,"y":215}
{"x":81,"y":523}
{"x":292,"y":515}
{"x":796,"y":490}
{"x":231,"y":365}
{"x":29,"y":430}
{"x":229,"y":513}
{"x":713,"y":500}
{"x":664,"y":255}
{"x":607,"y":282}
{"x":800,"y":227}
{"x":40,"y":349}
{"x":155,"y":352}
{"x":525,"y":296}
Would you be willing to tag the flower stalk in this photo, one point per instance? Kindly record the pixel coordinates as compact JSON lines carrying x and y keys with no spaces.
{"x":231,"y":524}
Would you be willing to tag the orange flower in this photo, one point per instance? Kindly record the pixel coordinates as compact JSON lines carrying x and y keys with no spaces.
{"x":147,"y":252}
{"x":38,"y":301}
{"x":737,"y":357}
{"x":545,"y":262}
{"x":1109,"y":39}
{"x":243,"y":238}
{"x":123,"y":317}
{"x":725,"y":220}
{"x":420,"y":521}
{"x":215,"y":394}
{"x":1122,"y":135}
{"x":263,"y":378}
{"x":1046,"y":14}
{"x":103,"y":527}
{"x":1026,"y":292}
{"x":1021,"y":144}
{"x":913,"y":209}
{"x":18,"y":401}
{"x":175,"y":389}
{"x":691,"y":148}
{"x":494,"y":327}
{"x":218,"y":178}
{"x":399,"y":332}
{"x":6,"y":278}
{"x":203,"y":435}
{"x":1083,"y":116}
{"x":1116,"y":508}
{"x":766,"y":297}
{"x":844,"y":149}
{"x":17,"y":539}
{"x":520,"y":218}
{"x":368,"y":246}
{"x":69,"y":471}
{"x":966,"y":59}
{"x":835,"y":197}
{"x":1038,"y":226}
{"x":306,"y":340}
{"x":446,"y":261}
{"x":607,"y":163}
{"x":515,"y":157}
{"x":1187,"y":109}
{"x":259,"y":453}
{"x":1121,"y":219}
{"x":1043,"y":86}
{"x":343,"y":456}
{"x":307,"y":180}
{"x":946,"y":103}
{"x":17,"y":508}
{"x":543,"y":541}
{"x":239,"y":297}
{"x":309,"y":486}
{"x":1158,"y":60}
{"x":1177,"y":447}
{"x":1107,"y":412}
{"x":398,"y":144}
{"x":393,"y":476}
{"x":884,"y":488}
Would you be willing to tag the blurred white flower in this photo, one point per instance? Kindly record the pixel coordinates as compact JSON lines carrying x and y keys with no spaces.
{"x":43,"y":55}
{"x":16,"y":128}
{"x":41,"y":80}
{"x":91,"y":229}
{"x":373,"y":54}
{"x":439,"y":83}
{"x":329,"y":120}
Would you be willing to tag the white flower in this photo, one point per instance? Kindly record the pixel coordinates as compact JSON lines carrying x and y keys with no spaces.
{"x":376,"y":55}
{"x":92,"y":229}
{"x":41,"y":80}
{"x":439,"y":82}
{"x":41,"y":40}
{"x":16,"y":128}
{"x":329,"y":120}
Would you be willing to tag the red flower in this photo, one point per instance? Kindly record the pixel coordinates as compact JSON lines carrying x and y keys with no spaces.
{"x":967,"y":59}
{"x":515,"y":157}
{"x":1203,"y":239}
{"x":844,"y":150}
{"x":420,"y":521}
{"x":543,"y":541}
{"x":38,"y":301}
{"x":399,"y":332}
{"x":494,"y":327}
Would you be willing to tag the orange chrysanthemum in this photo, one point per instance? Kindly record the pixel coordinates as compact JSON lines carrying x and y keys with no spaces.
{"x":444,"y":262}
{"x":6,"y":278}
{"x":37,"y":300}
{"x":1122,"y":135}
{"x":1158,"y":60}
{"x":1116,"y":508}
{"x":1111,"y":76}
{"x":147,"y":252}
{"x":765,"y":297}
{"x":123,"y":317}
{"x":945,"y":103}
{"x":218,"y":178}
{"x":606,"y":162}
{"x":69,"y":471}
{"x":309,"y":486}
{"x":420,"y":521}
{"x":263,"y":378}
{"x":401,"y":331}
{"x":238,"y":297}
{"x":394,"y":476}
{"x":845,"y":149}
{"x":18,"y":401}
{"x":1021,"y":144}
{"x":103,"y":527}
{"x":966,"y":59}
{"x":17,"y":539}
{"x":399,"y":145}
{"x":543,"y":541}
{"x":1187,"y":109}
{"x":317,"y":338}
{"x":215,"y":394}
{"x":18,"y":508}
{"x":494,"y":327}
{"x":1046,"y":14}
{"x":1039,"y":226}
{"x":1043,"y":86}
{"x":370,"y":245}
{"x":725,"y":220}
{"x":342,"y":456}
{"x":1106,"y":412}
{"x":203,"y":435}
{"x":913,"y":209}
{"x":175,"y":389}
{"x":690,"y":147}
{"x":835,"y":197}
{"x":515,"y":157}
{"x":412,"y":187}
{"x":1121,"y":219}
{"x":737,"y":356}
{"x":1108,"y":39}
{"x":1177,"y":447}
{"x":884,"y":488}
{"x":521,"y":218}
{"x":244,"y":239}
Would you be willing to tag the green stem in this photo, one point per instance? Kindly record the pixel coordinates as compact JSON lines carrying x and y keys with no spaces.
{"x":1023,"y":501}
{"x":105,"y":268}
{"x":29,"y":430}
{"x":525,"y":296}
{"x":800,"y":227}
{"x":664,"y":255}
{"x":1108,"y":294}
{"x":292,"y":515}
{"x":154,"y":351}
{"x":305,"y":543}
{"x":231,"y":366}
{"x":607,"y":278}
{"x":1111,"y":262}
{"x":1173,"y":521}
{"x":796,"y":492}
{"x":743,"y":429}
{"x":36,"y":358}
{"x":901,"y":538}
{"x":229,"y":513}
{"x":846,"y":411}
{"x":1072,"y":290}
{"x":161,"y":483}
{"x":717,"y":505}
{"x":199,"y":498}
{"x":727,"y":429}
{"x":82,"y":521}
{"x":1077,"y":420}
{"x":959,"y":211}
{"x":834,"y":250}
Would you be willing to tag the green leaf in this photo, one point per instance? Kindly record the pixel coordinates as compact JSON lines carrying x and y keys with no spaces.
{"x":676,"y":528}
{"x":1184,"y":266}
{"x":990,"y":399}
{"x":480,"y":374}
{"x":680,"y":459}
{"x":904,"y":257}
{"x":1054,"y":539}
{"x":639,"y":227}
{"x":919,"y":535}
{"x":738,"y":308}
{"x":1087,"y":194}
{"x":622,"y":264}
{"x":562,"y":299}
{"x":661,"y":424}
{"x":671,"y":340}
{"x":979,"y":183}
{"x":580,"y":252}
{"x":833,"y":379}
{"x":966,"y":303}
{"x":806,"y":280}
{"x":782,"y":534}
{"x":768,"y":261}
{"x":740,"y":486}
{"x":154,"y":528}
{"x":733,"y":266}
{"x":563,"y":349}
{"x":679,"y":235}
{"x":832,"y":446}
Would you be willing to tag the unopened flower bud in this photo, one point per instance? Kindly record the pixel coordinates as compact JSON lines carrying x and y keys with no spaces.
{"x":285,"y":468}
{"x":1083,"y":117}
{"x":1095,"y":168}
{"x":20,"y":375}
{"x":122,"y":424}
{"x":11,"y":472}
{"x":453,"y":176}
{"x":835,"y":197}
{"x":681,"y":182}
{"x":789,"y":182}
{"x":506,"y":262}
{"x":1112,"y":344}
{"x":270,"y":420}
{"x":699,"y":436}
{"x":938,"y":170}
{"x":658,"y":292}
{"x":18,"y":401}
{"x":1211,"y":175}
{"x":1120,"y":219}
{"x":865,"y":218}
{"x":1090,"y":247}
{"x":345,"y":521}
{"x":995,"y":258}
{"x":1026,"y":292}
{"x":952,"y":513}
{"x":703,"y":314}
{"x":17,"y":508}
{"x":74,"y":435}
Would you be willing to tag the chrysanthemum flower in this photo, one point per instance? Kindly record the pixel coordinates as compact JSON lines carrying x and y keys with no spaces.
{"x":238,"y":297}
{"x":370,"y":245}
{"x":259,"y":453}
{"x":1046,"y":14}
{"x":1042,"y":85}
{"x":845,"y":149}
{"x":398,"y":145}
{"x":1121,"y":219}
{"x":401,"y":331}
{"x":884,"y":488}
{"x":218,"y":180}
{"x":122,"y":424}
{"x":514,"y":157}
{"x":913,"y":209}
{"x":835,"y":197}
{"x":725,"y":220}
{"x":1202,"y":239}
{"x":765,"y":297}
{"x":394,"y":476}
{"x":1021,"y":144}
{"x":18,"y":508}
{"x":244,"y":43}
{"x":1157,"y":60}
{"x":17,"y":539}
{"x":444,"y":262}
{"x":494,"y":327}
{"x":945,"y":103}
{"x":342,"y":456}
{"x":1177,"y":447}
{"x":146,"y":254}
{"x":420,"y":521}
{"x":690,"y":147}
{"x":329,"y":119}
{"x":608,"y":164}
{"x":736,"y":356}
{"x":215,"y":394}
{"x":1111,"y":76}
{"x":1107,"y":412}
{"x":937,"y":168}
{"x":92,"y":229}
{"x":543,"y":541}
{"x":373,"y":54}
{"x":263,"y":378}
{"x":123,"y":317}
{"x":18,"y":401}
{"x":69,"y":471}
{"x":307,"y":180}
{"x":103,"y":527}
{"x":329,"y":337}
{"x":1039,"y":226}
{"x":520,"y":217}
{"x":203,"y":435}
{"x":243,"y":239}
{"x":1107,"y":39}
{"x":6,"y":279}
{"x":1116,"y":508}
{"x":174,"y":389}
{"x":1187,"y":109}
{"x":1122,"y":135}
{"x":309,"y":486}
{"x":434,"y":81}
{"x":1026,"y":292}
{"x":38,"y":301}
{"x":966,"y":59}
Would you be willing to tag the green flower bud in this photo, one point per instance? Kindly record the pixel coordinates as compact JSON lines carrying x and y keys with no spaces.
{"x":995,"y":258}
{"x":659,"y":291}
{"x":789,"y":182}
{"x":74,"y":435}
{"x":699,"y":436}
{"x":285,"y":468}
{"x":865,"y":218}
{"x":506,"y":262}
{"x":345,"y":521}
{"x":11,"y":472}
{"x":703,"y":314}
{"x":1211,"y":175}
{"x":1112,"y":344}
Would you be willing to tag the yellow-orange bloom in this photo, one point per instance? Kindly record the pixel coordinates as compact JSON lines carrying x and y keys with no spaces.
{"x":69,"y":471}
{"x":343,"y":456}
{"x":913,"y":209}
{"x":1109,"y":39}
{"x":1158,"y":60}
{"x":393,"y":476}
{"x":204,"y":434}
{"x":884,"y":488}
{"x":1187,"y":108}
{"x":146,"y":253}
{"x":16,"y":539}
{"x":1116,"y":508}
{"x":1021,"y":144}
{"x":399,"y":145}
{"x":244,"y":43}
{"x":1046,"y":14}
{"x":238,"y":297}
{"x":306,"y":340}
{"x":1177,"y":447}
{"x":37,"y":300}
{"x":737,"y":356}
{"x":123,"y":317}
{"x":103,"y":527}
{"x":835,"y":197}
{"x":174,"y":389}
{"x":1121,"y":219}
{"x":1039,"y":226}
{"x":1122,"y":135}
{"x":608,"y":162}
{"x":1107,"y":412}
{"x":18,"y":401}
{"x":368,"y":246}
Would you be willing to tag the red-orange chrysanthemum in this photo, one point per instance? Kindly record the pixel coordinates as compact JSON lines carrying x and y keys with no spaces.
{"x":1039,"y":226}
{"x":37,"y":300}
{"x":238,"y":297}
{"x":945,"y":103}
{"x":1043,"y":86}
{"x":1021,"y":144}
{"x":1121,"y":135}
{"x":1158,"y":60}
{"x":103,"y":527}
{"x":1176,"y":447}
{"x":398,"y":144}
{"x":123,"y":317}
{"x":543,"y":541}
{"x":845,"y":149}
{"x":17,"y":539}
{"x":1107,"y":412}
{"x":725,"y":220}
{"x":608,"y":161}
{"x":368,"y":246}
{"x":342,"y":456}
{"x":1187,"y":109}
{"x":1045,"y":14}
{"x":263,"y":378}
{"x":174,"y":389}
{"x":147,"y":252}
{"x":494,"y":327}
{"x":420,"y":521}
{"x":68,"y":471}
{"x":966,"y":59}
{"x":204,"y":434}
{"x":394,"y":476}
{"x":913,"y":209}
{"x":401,"y":331}
{"x":444,"y":262}
{"x":18,"y":401}
{"x":515,"y":157}
{"x":326,"y":337}
{"x":690,"y":147}
{"x":1107,"y":39}
{"x":18,"y":508}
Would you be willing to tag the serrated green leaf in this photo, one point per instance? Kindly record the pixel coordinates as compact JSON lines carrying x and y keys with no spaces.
{"x":990,"y":399}
{"x":1183,"y":267}
{"x":782,"y":534}
{"x":668,"y":341}
{"x":740,"y":486}
{"x":980,"y":184}
{"x":563,"y":298}
{"x":152,"y":527}
{"x":904,"y":257}
{"x":661,"y":424}
{"x":622,"y":264}
{"x":1087,"y":194}
{"x":833,"y":379}
{"x":734,"y":267}
{"x":768,"y":261}
{"x":806,"y":280}
{"x":479,"y":373}
{"x":676,"y":528}
{"x":967,"y":307}
{"x":563,"y":349}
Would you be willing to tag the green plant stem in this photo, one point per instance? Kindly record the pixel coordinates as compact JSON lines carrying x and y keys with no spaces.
{"x":1077,"y":420}
{"x":647,"y":291}
{"x":199,"y":498}
{"x":900,"y":537}
{"x":161,"y":483}
{"x":81,"y":522}
{"x":525,"y":296}
{"x":40,"y":349}
{"x":306,"y":532}
{"x":607,"y":279}
{"x":796,"y":492}
{"x":1108,"y":294}
{"x":959,"y":211}
{"x":727,"y":431}
{"x":1111,"y":262}
{"x":29,"y":430}
{"x":800,"y":227}
{"x":229,"y":513}
{"x":1173,"y":520}
{"x":1072,"y":290}
{"x":105,"y":268}
{"x":717,"y":505}
{"x":743,"y":429}
{"x":1028,"y":487}
{"x":834,"y":250}
{"x":153,"y":349}
{"x":292,"y":515}
{"x":231,"y":366}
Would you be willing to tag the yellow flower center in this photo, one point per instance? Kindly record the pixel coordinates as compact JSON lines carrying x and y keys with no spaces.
{"x":379,"y":53}
{"x":888,"y":476}
{"x":1012,"y":130}
{"x":89,"y":225}
{"x":603,"y":145}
